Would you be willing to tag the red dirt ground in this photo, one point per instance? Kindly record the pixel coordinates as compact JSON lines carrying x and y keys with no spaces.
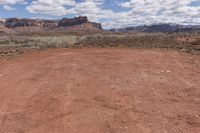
{"x":100,"y":91}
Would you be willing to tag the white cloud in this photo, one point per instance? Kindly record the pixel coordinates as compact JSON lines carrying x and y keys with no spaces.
{"x":7,"y":4}
{"x":11,"y":2}
{"x":135,"y":12}
{"x":8,"y":8}
{"x":90,"y":8}
{"x":161,"y":11}
{"x":51,"y":7}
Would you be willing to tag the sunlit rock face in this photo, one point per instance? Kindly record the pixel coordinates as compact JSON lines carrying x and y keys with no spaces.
{"x":65,"y":22}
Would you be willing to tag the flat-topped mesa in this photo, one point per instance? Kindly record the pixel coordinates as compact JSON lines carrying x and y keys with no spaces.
{"x":81,"y":20}
{"x":72,"y":21}
{"x":16,"y":22}
{"x":77,"y":23}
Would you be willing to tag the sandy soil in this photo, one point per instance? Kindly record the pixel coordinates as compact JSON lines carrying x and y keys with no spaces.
{"x":100,"y":91}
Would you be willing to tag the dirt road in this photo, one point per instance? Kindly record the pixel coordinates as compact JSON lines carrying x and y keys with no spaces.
{"x":100,"y":91}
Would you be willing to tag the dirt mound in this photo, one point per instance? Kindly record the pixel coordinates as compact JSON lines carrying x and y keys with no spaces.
{"x":100,"y":91}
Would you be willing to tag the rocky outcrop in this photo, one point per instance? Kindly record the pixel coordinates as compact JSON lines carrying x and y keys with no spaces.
{"x":81,"y":22}
{"x":50,"y":23}
{"x":65,"y":22}
{"x":96,"y":25}
{"x":73,"y":21}
{"x":15,"y":22}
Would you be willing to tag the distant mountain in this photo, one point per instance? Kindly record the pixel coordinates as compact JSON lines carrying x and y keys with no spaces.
{"x":160,"y":28}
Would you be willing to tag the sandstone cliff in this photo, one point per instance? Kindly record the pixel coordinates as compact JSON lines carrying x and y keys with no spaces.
{"x":73,"y":21}
{"x":65,"y":22}
{"x":16,"y":22}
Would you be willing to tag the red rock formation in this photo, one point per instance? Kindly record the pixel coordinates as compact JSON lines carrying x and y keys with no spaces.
{"x":65,"y":22}
{"x":50,"y":23}
{"x":15,"y":22}
{"x":96,"y":25}
{"x":73,"y":21}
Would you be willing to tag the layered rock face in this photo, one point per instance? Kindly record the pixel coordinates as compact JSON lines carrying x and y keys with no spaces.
{"x":65,"y":22}
{"x":97,"y":25}
{"x":50,"y":23}
{"x":15,"y":22}
{"x":71,"y":22}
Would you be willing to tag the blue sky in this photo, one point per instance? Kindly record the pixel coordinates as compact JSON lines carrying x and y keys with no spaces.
{"x":111,"y":13}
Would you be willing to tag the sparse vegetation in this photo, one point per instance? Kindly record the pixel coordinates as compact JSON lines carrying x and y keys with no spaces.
{"x":181,"y":42}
